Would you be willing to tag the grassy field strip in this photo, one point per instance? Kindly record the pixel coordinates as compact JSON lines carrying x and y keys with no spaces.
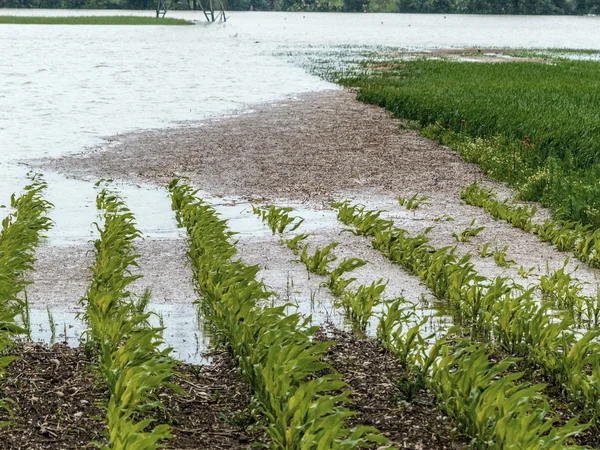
{"x":359,"y":301}
{"x":20,"y":236}
{"x":498,"y":310}
{"x":92,"y":20}
{"x":274,"y":351}
{"x":125,"y":345}
{"x":566,"y":236}
{"x":530,"y":124}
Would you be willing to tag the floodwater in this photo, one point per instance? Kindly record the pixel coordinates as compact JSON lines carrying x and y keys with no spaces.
{"x":64,"y":89}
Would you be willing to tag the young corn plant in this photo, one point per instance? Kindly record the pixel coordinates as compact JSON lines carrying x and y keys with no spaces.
{"x":278,"y":218}
{"x":296,"y":391}
{"x":525,"y":273}
{"x":359,"y":304}
{"x":413,"y":202}
{"x":492,"y":406}
{"x":562,"y":289}
{"x":468,"y":233}
{"x":500,"y":257}
{"x":508,"y":313}
{"x":484,"y":249}
{"x":336,"y":284}
{"x":294,"y":243}
{"x":21,"y":234}
{"x":407,"y":344}
{"x":518,"y":216}
{"x":318,"y":262}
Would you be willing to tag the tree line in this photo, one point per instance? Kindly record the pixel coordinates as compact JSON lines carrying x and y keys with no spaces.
{"x":567,"y":7}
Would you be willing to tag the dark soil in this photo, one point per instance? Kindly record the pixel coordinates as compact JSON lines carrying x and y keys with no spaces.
{"x":57,"y":396}
{"x":372,"y":372}
{"x":60,"y":403}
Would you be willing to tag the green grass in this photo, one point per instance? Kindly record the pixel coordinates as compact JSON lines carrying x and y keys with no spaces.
{"x":92,"y":20}
{"x":536,"y":126}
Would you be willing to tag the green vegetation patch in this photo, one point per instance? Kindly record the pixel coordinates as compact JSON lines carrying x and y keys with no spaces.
{"x":92,"y":20}
{"x":536,"y":126}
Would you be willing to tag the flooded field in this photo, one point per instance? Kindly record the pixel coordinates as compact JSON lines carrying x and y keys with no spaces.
{"x":81,"y":88}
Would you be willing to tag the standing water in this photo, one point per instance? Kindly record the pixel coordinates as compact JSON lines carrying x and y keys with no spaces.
{"x":64,"y":88}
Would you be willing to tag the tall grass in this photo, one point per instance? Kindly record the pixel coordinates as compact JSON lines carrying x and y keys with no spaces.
{"x":533,"y":125}
{"x":303,"y":400}
{"x":20,"y":236}
{"x":125,"y":345}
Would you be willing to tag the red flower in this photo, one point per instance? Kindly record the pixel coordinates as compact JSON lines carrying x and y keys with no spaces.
{"x":527,"y":138}
{"x":463,"y":121}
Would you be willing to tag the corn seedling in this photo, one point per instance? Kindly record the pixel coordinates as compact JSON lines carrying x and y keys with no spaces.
{"x":359,"y":304}
{"x":485,"y":399}
{"x":20,"y":235}
{"x":561,"y":288}
{"x":444,"y":218}
{"x":336,"y":284}
{"x":500,"y":257}
{"x":490,"y":403}
{"x":525,"y":273}
{"x":413,"y":202}
{"x":294,"y":243}
{"x":484,"y":249}
{"x":468,"y":233}
{"x":278,"y":218}
{"x":318,"y":262}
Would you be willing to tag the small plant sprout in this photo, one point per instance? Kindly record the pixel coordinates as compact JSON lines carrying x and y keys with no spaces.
{"x":336,"y":284}
{"x":52,"y":325}
{"x":443,"y":218}
{"x":413,"y":202}
{"x":500,"y":257}
{"x":278,"y":218}
{"x":359,"y":304}
{"x":468,"y":233}
{"x":318,"y":262}
{"x":525,"y":273}
{"x":484,"y":249}
{"x":294,"y":243}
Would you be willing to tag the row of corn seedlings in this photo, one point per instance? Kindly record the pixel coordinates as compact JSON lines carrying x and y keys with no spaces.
{"x":274,"y":351}
{"x":467,"y":385}
{"x":359,"y":303}
{"x":569,"y":236}
{"x":20,"y":235}
{"x":125,"y":345}
{"x":496,"y":310}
